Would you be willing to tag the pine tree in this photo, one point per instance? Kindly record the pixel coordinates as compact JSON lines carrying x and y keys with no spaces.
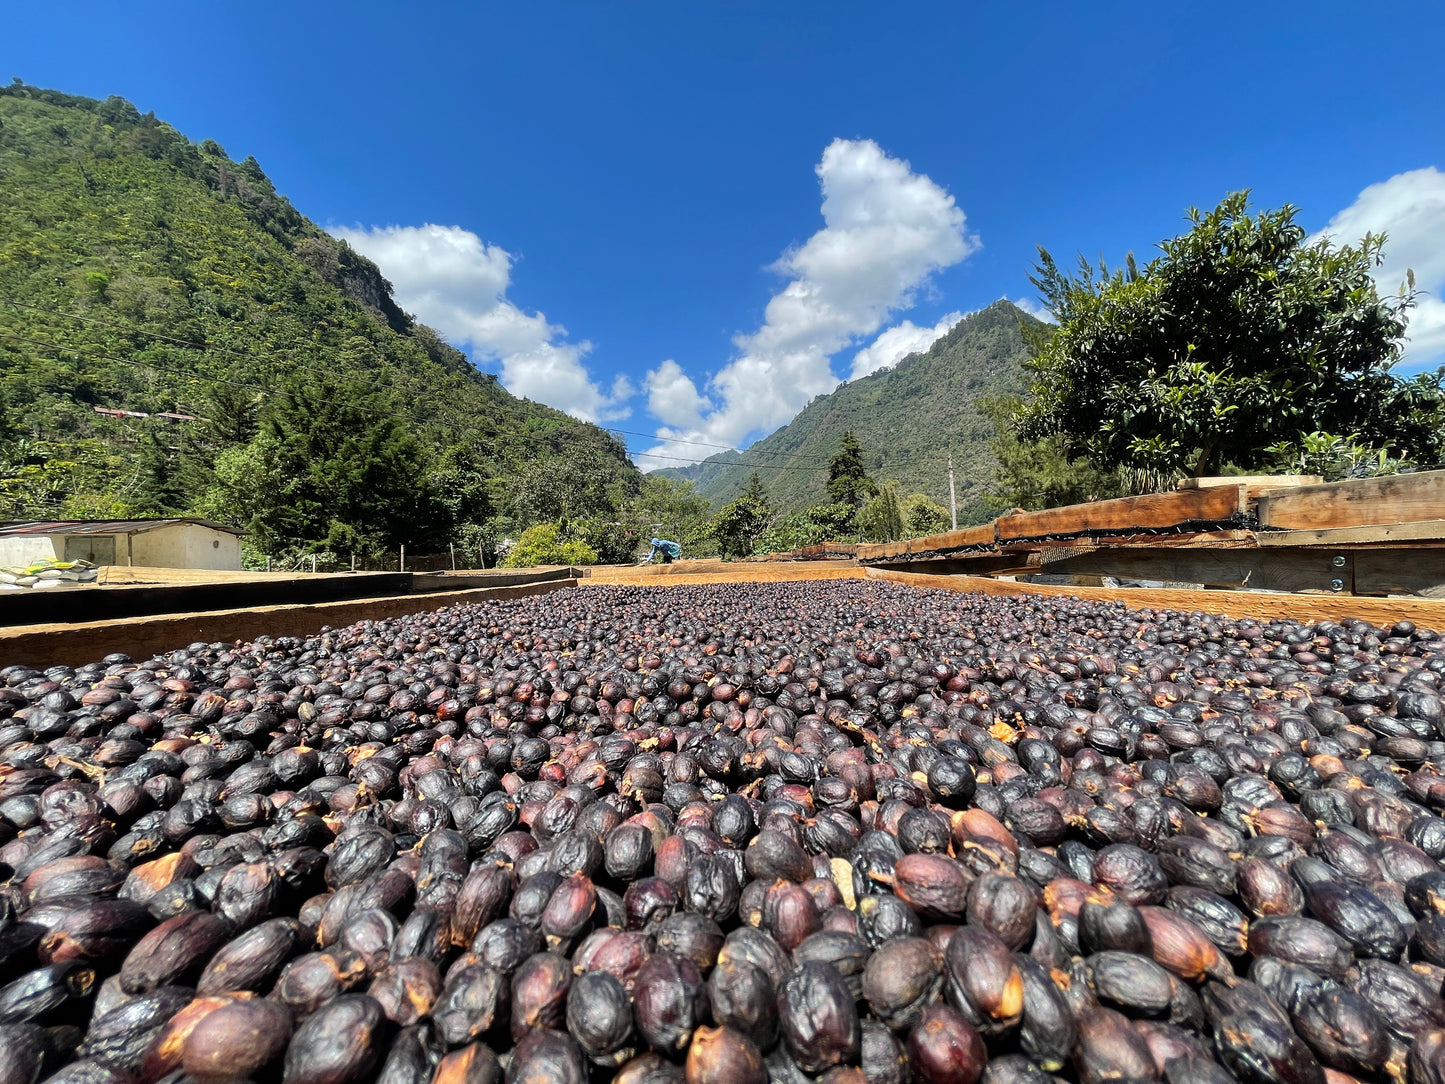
{"x":848,"y":481}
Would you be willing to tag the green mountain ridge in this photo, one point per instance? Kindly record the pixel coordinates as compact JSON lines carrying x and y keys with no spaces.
{"x":142,"y":272}
{"x":907,"y":417}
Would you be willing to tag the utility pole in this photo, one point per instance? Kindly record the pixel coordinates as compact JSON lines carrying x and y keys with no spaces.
{"x":952,"y":500}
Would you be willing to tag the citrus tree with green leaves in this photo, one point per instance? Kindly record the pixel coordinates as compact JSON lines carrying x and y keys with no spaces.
{"x":1239,"y":335}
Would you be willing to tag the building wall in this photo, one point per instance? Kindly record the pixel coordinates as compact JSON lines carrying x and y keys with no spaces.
{"x":23,"y":549}
{"x":183,"y":545}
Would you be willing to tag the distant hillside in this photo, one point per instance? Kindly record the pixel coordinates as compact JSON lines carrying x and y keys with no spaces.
{"x":906,"y":418}
{"x":144,"y":273}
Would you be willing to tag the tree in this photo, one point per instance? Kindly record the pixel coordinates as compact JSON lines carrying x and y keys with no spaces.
{"x":881,"y":518}
{"x":158,"y":488}
{"x":922,"y":515}
{"x":564,"y":486}
{"x":462,"y":486}
{"x":848,"y":481}
{"x":739,"y":524}
{"x":1034,"y":474}
{"x":331,"y":469}
{"x":673,"y":508}
{"x":543,"y":544}
{"x":818,"y":524}
{"x":1239,"y":335}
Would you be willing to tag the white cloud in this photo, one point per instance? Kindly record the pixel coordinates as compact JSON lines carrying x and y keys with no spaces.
{"x":1035,"y":309}
{"x":672,"y":398}
{"x":1410,"y":209}
{"x":455,"y":282}
{"x":886,"y":231}
{"x":896,"y":343}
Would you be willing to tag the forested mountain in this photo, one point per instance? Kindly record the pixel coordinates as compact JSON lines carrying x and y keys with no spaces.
{"x":906,"y":418}
{"x":144,"y":273}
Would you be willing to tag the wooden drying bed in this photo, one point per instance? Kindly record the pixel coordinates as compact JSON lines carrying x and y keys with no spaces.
{"x":1362,"y":537}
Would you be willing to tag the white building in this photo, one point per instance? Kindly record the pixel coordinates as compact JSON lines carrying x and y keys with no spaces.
{"x":146,"y":543}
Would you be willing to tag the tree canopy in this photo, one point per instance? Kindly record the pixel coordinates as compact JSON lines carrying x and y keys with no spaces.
{"x":1239,"y":335}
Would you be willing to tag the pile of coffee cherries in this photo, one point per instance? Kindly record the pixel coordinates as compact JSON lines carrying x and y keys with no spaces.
{"x":840,"y":831}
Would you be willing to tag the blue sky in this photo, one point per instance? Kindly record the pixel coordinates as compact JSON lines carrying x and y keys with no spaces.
{"x":686,"y":219}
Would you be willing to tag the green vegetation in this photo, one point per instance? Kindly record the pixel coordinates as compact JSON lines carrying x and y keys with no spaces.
{"x":881,"y":517}
{"x":142,"y":272}
{"x":1239,"y":345}
{"x":848,"y":481}
{"x":906,"y":417}
{"x":1035,"y":474}
{"x":922,"y":515}
{"x":542,"y":544}
{"x":865,"y":511}
{"x":742,"y":521}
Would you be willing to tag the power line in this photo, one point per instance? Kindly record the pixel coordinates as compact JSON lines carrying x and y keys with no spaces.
{"x":190,"y":375}
{"x":522,"y":406}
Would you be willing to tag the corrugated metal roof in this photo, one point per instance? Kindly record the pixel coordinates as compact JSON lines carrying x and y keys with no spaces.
{"x":108,"y":526}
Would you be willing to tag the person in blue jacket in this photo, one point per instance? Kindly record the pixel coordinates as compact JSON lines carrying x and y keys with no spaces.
{"x":669,"y":551}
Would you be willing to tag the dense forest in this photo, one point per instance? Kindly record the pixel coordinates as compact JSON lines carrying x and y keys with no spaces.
{"x":906,"y":417}
{"x":282,"y":388}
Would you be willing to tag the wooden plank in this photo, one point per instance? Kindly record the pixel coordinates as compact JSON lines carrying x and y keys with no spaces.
{"x":1212,"y":539}
{"x":973,"y":564}
{"x":1424,"y":530}
{"x":76,"y":644}
{"x":1358,"y":502}
{"x":1399,"y":572}
{"x":121,"y":574}
{"x":982,"y":535}
{"x":1258,"y":605}
{"x":1310,"y":570}
{"x":1255,"y":485}
{"x":1253,"y":481}
{"x":1150,"y":511}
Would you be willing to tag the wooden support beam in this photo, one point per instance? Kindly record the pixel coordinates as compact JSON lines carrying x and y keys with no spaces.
{"x":1258,"y":605}
{"x":1358,"y":502}
{"x":982,"y":535}
{"x":1152,"y":511}
{"x":1425,"y":530}
{"x":1319,"y":571}
{"x":1399,"y":572}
